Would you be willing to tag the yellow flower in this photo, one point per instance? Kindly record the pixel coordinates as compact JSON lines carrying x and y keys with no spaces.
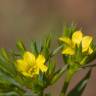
{"x":29,"y":65}
{"x":77,"y":39}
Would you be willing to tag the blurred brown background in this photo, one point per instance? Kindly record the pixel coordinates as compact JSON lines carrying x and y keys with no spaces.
{"x":32,"y":19}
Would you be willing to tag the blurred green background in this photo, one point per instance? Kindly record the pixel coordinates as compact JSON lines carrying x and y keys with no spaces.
{"x":33,"y":19}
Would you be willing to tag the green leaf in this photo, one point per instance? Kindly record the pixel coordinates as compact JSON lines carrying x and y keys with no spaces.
{"x":5,"y":62}
{"x":51,"y":67}
{"x":47,"y":94}
{"x":57,"y":50}
{"x":68,"y":30}
{"x":91,"y":57}
{"x":9,"y":70}
{"x":79,"y":88}
{"x":65,"y":59}
{"x":46,"y":46}
{"x":78,"y":54}
{"x":47,"y":42}
{"x":20,"y":46}
{"x":7,"y":80}
{"x":4,"y":54}
{"x":12,"y":93}
{"x":58,"y":74}
{"x":34,"y":47}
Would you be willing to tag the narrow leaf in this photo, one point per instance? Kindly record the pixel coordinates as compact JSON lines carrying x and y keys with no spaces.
{"x":34,"y":47}
{"x":58,"y":74}
{"x":79,"y":88}
{"x":20,"y":46}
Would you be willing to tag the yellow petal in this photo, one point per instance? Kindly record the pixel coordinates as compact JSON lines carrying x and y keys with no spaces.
{"x":40,"y":63}
{"x":77,"y":37}
{"x":43,"y":68}
{"x":29,"y":57}
{"x":90,"y":50}
{"x":40,"y":59}
{"x":86,"y":41}
{"x":21,"y":65}
{"x":66,"y":40}
{"x":68,"y":51}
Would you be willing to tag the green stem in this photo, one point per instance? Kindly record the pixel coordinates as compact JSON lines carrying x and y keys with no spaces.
{"x":41,"y":93}
{"x":86,"y":66}
{"x":66,"y":83}
{"x":63,"y":92}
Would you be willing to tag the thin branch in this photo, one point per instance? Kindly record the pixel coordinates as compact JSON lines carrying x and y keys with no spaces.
{"x":91,"y":65}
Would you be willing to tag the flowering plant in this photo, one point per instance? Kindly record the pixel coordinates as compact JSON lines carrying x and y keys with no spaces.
{"x":28,"y":72}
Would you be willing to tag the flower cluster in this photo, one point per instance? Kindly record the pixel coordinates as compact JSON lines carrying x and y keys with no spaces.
{"x":77,"y":40}
{"x":29,"y":65}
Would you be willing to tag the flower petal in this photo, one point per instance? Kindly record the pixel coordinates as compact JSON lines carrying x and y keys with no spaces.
{"x":90,"y":50}
{"x":66,"y":40}
{"x":43,"y":68}
{"x":40,"y":59}
{"x":40,"y":63}
{"x":77,"y":37}
{"x":86,"y":41}
{"x":21,"y":65}
{"x":29,"y":57}
{"x":68,"y":51}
